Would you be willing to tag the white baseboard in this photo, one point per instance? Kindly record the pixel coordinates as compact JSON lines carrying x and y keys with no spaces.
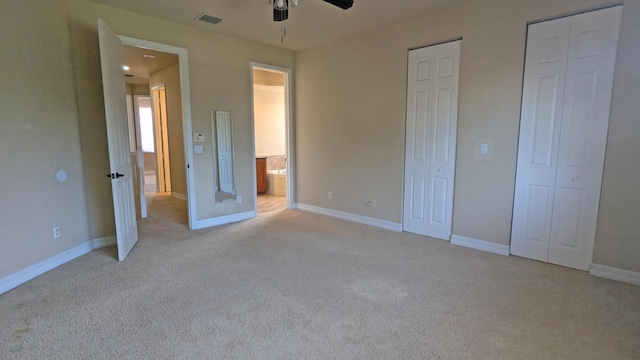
{"x":384,"y":224}
{"x":483,"y":245}
{"x":14,"y":280}
{"x":221,"y":220}
{"x":179,"y":196}
{"x":611,"y":273}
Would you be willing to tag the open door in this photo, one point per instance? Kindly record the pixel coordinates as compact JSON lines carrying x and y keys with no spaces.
{"x":118,"y":139}
{"x":161,"y":127}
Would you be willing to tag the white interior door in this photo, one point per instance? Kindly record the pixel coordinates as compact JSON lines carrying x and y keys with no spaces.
{"x":431,"y":130}
{"x":224,"y":133}
{"x":118,"y":139}
{"x":583,"y":136}
{"x":540,"y":119}
{"x":163,"y":172}
{"x":563,"y":137}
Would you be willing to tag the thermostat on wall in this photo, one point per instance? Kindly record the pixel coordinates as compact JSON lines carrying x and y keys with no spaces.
{"x":198,"y":137}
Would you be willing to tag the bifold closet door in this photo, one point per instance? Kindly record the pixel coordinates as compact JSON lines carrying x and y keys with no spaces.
{"x":431,"y":128}
{"x":563,"y":131}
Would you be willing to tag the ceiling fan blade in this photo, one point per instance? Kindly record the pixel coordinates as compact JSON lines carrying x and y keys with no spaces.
{"x":343,"y":4}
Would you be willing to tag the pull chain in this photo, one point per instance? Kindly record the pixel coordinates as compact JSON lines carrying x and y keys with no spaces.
{"x":284,"y":32}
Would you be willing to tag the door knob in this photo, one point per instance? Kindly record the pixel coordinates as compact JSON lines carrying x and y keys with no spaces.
{"x":117,"y":175}
{"x":575,"y":178}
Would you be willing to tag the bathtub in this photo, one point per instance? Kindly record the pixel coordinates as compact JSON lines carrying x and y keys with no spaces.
{"x":277,"y":182}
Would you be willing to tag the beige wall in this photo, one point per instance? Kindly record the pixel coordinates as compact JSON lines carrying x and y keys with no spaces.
{"x":52,"y":115}
{"x":38,"y":137}
{"x":350,"y":118}
{"x":618,"y":232}
{"x":269,"y":120}
{"x":138,"y":89}
{"x":170,"y":77}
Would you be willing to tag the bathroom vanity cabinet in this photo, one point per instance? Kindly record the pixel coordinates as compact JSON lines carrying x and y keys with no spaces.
{"x":261,"y":175}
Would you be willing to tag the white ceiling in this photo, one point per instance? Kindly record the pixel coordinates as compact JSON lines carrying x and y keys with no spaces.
{"x":311,"y":23}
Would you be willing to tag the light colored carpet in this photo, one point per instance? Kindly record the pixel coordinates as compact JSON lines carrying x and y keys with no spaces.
{"x":293,"y":285}
{"x":150,"y":182}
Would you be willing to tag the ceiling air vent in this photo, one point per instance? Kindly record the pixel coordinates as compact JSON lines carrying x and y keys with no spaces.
{"x":128,"y":75}
{"x":209,"y":19}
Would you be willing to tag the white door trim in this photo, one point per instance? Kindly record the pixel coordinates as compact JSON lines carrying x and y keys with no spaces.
{"x":289,"y":131}
{"x":185,"y":90}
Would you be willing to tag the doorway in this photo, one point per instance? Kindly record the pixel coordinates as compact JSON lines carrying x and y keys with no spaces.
{"x":155,"y":76}
{"x":272,"y":129}
{"x":143,"y":131}
{"x":431,"y":130}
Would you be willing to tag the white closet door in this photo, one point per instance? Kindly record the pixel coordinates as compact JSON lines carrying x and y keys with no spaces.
{"x":564,"y":121}
{"x":432,"y":114}
{"x":585,"y":122}
{"x":540,"y":119}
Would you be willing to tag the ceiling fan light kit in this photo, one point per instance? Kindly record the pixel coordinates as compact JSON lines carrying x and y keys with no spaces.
{"x":280,"y":10}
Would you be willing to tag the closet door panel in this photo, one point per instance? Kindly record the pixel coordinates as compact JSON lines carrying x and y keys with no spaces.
{"x":585,"y":121}
{"x":543,"y":92}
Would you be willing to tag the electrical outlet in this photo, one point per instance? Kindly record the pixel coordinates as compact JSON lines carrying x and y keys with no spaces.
{"x":239,"y":198}
{"x":371,"y":203}
{"x":56,"y":232}
{"x":330,"y":195}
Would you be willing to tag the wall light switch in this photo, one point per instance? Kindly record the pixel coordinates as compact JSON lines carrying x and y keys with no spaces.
{"x":484,"y":149}
{"x":198,"y":149}
{"x":198,"y":137}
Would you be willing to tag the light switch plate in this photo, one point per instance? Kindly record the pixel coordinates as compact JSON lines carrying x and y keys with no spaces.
{"x":198,"y":137}
{"x":484,"y":149}
{"x":198,"y":149}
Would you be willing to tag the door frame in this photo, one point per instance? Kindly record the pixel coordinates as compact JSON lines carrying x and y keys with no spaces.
{"x":185,"y":90}
{"x":289,"y":130}
{"x":161,"y":138}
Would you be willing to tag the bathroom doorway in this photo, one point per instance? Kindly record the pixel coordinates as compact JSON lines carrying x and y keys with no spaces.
{"x":272,"y":137}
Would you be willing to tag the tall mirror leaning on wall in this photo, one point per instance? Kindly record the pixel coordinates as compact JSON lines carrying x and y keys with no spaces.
{"x":224,"y":157}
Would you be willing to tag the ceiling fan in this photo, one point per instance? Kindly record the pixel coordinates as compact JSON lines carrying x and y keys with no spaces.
{"x":281,"y":7}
